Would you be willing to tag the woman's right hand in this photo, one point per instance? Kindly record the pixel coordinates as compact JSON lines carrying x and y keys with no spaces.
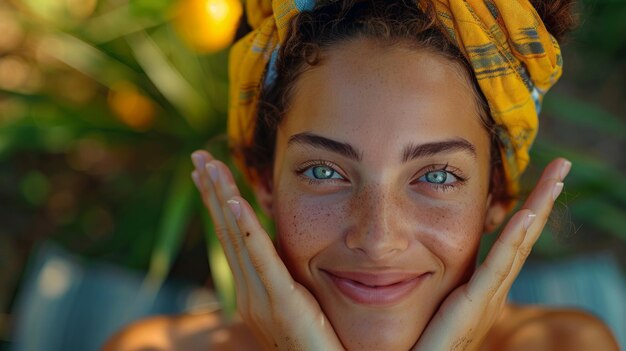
{"x":282,"y":313}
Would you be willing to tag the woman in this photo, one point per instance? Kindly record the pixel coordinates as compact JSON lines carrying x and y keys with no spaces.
{"x":386,"y":138}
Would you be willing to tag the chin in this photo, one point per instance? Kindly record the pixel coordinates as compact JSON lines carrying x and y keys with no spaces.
{"x":363,"y":328}
{"x":382,"y":338}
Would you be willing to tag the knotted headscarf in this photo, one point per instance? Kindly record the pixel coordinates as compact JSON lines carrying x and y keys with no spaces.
{"x":514,"y":58}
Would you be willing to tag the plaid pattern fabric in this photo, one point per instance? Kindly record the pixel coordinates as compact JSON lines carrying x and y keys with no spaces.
{"x":513,"y":56}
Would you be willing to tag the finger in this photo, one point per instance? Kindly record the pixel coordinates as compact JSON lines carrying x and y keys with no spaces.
{"x":547,"y":190}
{"x":200,"y":158}
{"x":515,"y":243}
{"x":263,"y":255}
{"x":542,"y":201}
{"x":490,"y":275}
{"x":211,"y":202}
{"x":225,"y":189}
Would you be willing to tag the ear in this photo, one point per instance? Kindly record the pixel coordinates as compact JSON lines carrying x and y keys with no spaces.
{"x":263,"y":191}
{"x":496,"y":213}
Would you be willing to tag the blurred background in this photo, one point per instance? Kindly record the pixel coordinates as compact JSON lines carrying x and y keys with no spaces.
{"x":101,"y":104}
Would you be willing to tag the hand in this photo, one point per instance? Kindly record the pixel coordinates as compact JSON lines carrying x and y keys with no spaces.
{"x":282,"y":313}
{"x":467,"y":314}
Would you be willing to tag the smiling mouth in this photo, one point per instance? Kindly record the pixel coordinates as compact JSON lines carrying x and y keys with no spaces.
{"x":380,"y":289}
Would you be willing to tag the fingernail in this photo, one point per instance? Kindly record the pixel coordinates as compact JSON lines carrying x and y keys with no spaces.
{"x":198,"y":160}
{"x":567,"y":166}
{"x":530,"y":218}
{"x":212,"y":171}
{"x":556,"y":191}
{"x":235,"y":207}
{"x":196,"y":178}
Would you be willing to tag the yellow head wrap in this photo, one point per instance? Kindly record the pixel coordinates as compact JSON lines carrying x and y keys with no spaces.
{"x":513,"y":56}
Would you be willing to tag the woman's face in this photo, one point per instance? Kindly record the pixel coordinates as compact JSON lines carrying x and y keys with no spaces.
{"x":380,"y":189}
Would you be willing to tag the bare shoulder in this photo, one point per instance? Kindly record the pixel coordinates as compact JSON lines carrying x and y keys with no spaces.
{"x":537,"y":328}
{"x":198,"y":331}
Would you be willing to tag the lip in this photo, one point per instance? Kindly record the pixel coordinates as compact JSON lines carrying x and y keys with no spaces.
{"x":376,"y":289}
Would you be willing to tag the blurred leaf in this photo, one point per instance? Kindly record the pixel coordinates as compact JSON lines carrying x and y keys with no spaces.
{"x":174,"y":218}
{"x":585,"y":115}
{"x":155,"y":9}
{"x":117,"y":23}
{"x":586,"y":170}
{"x":89,"y":60}
{"x":191,"y":67}
{"x":168,"y":80}
{"x":603,"y":215}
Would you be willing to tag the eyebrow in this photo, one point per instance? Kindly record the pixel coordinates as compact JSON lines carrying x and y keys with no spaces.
{"x":410,"y":152}
{"x":413,"y":151}
{"x":319,"y":141}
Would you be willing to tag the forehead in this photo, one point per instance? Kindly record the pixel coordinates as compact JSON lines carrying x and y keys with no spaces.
{"x":368,"y":94}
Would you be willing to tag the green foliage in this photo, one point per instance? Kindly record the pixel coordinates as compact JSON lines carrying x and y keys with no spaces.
{"x":156,"y":9}
{"x":127,"y":195}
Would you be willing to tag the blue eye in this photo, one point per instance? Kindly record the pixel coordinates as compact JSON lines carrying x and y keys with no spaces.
{"x":321,"y":172}
{"x":438,"y":177}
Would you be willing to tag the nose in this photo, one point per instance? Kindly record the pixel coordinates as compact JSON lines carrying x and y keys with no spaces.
{"x":379,"y":232}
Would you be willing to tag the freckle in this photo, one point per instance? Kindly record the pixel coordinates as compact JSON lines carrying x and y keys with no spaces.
{"x":247,"y":233}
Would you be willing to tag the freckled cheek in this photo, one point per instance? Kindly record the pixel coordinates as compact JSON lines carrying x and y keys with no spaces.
{"x":305,"y":226}
{"x":453,"y":231}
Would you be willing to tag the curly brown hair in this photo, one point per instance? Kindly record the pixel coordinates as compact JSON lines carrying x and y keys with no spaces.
{"x":389,"y":23}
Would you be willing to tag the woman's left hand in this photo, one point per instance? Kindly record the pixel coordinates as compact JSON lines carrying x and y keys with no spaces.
{"x":468,"y":313}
